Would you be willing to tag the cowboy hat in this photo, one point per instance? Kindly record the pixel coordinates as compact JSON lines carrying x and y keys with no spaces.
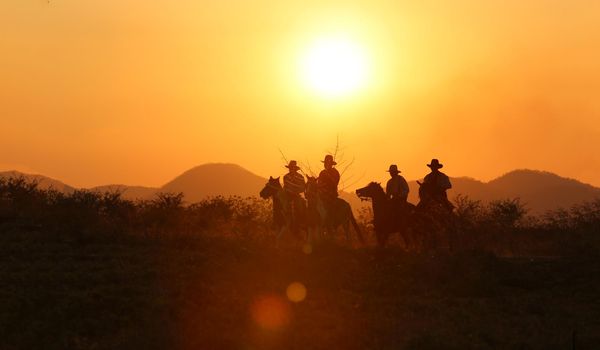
{"x":393,"y":169}
{"x":329,"y":159}
{"x":293,"y":165}
{"x":435,"y":164}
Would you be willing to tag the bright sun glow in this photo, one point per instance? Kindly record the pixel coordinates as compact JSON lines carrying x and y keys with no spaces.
{"x":335,"y":67}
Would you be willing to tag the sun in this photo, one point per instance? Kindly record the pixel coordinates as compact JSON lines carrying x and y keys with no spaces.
{"x":335,"y":67}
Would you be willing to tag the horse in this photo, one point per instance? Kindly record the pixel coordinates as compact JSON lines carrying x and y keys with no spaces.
{"x":387,"y":218}
{"x":320,"y":217}
{"x":283,"y":216}
{"x":434,"y":219}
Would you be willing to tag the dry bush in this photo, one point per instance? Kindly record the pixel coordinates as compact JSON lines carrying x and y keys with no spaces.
{"x":91,"y":214}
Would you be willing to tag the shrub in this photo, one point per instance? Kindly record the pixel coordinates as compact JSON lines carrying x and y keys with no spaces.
{"x":506,"y":213}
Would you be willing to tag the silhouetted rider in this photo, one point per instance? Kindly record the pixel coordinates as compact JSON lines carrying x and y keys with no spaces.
{"x":327,"y":183}
{"x":294,"y":185}
{"x":293,"y":182}
{"x":435,"y":185}
{"x":396,"y":190}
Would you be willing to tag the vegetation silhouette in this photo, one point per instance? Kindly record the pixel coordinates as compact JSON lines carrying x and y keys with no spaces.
{"x":501,"y":226}
{"x":86,"y":213}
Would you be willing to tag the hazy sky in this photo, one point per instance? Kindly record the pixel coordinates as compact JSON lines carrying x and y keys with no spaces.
{"x":135,"y":92}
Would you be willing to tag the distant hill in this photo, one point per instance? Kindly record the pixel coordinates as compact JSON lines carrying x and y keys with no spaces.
{"x":44,"y":182}
{"x":542,"y":190}
{"x":539,"y":190}
{"x":214,"y":180}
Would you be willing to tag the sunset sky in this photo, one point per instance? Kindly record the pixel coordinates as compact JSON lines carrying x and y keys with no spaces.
{"x":136,"y":92}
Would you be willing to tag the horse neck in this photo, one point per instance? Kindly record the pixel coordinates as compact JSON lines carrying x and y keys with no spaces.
{"x":278,"y":198}
{"x":379,"y":198}
{"x":281,"y":199}
{"x":312,"y":200}
{"x":312,"y":196}
{"x":379,"y":202}
{"x":281,"y":196}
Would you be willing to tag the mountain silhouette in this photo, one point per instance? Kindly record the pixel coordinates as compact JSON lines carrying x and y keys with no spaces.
{"x":542,"y":190}
{"x":539,"y":190}
{"x":215,"y":179}
{"x":43,"y":182}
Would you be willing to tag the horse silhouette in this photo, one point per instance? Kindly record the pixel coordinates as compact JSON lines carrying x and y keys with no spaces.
{"x":284,"y":219}
{"x":427,"y":226}
{"x":321,"y":220}
{"x":434,"y":221}
{"x":387,"y":217}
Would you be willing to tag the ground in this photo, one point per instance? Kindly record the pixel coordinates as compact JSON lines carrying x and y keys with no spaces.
{"x":226,"y":293}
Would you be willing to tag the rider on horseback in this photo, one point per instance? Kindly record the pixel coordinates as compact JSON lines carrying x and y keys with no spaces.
{"x":327,"y":182}
{"x":294,"y":185}
{"x":396,"y":189}
{"x":434,"y":186}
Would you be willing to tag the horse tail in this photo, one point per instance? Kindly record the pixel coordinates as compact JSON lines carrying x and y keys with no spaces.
{"x":357,"y":228}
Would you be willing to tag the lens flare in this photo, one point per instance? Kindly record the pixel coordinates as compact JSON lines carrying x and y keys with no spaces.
{"x":271,"y":312}
{"x":296,"y":292}
{"x":307,"y":249}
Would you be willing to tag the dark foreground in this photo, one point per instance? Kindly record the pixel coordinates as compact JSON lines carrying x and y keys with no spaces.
{"x":202,"y":293}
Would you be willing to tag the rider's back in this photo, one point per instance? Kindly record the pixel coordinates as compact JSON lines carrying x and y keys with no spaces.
{"x":327,"y":182}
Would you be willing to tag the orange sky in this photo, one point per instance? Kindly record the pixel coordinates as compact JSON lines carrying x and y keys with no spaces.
{"x":135,"y":92}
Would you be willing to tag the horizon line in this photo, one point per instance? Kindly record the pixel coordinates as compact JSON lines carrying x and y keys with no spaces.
{"x":253,"y":173}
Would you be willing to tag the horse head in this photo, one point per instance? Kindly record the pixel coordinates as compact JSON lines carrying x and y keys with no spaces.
{"x":372,"y":190}
{"x":311,"y":186}
{"x":424,"y":191}
{"x":272,"y":187}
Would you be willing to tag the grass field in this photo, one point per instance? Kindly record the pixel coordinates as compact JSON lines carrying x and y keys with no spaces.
{"x":219,"y":293}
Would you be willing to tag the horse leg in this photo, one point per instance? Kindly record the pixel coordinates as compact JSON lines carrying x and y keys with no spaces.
{"x":322,"y":232}
{"x":310,"y":233}
{"x":406,"y":237}
{"x":346,"y":226}
{"x":401,"y":229}
{"x":280,"y":234}
{"x":361,"y":239}
{"x":380,"y":239}
{"x":384,"y":238}
{"x":403,"y":238}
